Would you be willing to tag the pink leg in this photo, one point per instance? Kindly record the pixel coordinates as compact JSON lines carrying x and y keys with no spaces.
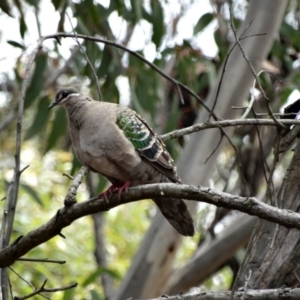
{"x":123,"y":188}
{"x":115,"y":187}
{"x":107,"y":193}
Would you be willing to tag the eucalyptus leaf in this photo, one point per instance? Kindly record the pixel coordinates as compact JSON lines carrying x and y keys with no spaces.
{"x":203,"y":22}
{"x":100,"y":271}
{"x":16,"y":44}
{"x":32,"y":193}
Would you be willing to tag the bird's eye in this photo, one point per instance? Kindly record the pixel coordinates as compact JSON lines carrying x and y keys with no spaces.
{"x":64,"y":95}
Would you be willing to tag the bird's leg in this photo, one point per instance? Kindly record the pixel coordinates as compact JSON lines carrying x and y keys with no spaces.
{"x":109,"y":191}
{"x":123,"y":188}
{"x":120,"y":187}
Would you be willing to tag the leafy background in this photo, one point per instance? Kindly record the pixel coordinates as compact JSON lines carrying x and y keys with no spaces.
{"x":123,"y":78}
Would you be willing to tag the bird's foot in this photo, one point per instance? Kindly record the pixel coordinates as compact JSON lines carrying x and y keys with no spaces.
{"x":123,"y":188}
{"x":115,"y":187}
{"x":108,"y":192}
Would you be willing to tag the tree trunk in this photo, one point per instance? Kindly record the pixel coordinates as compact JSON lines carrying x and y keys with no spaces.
{"x":275,"y":249}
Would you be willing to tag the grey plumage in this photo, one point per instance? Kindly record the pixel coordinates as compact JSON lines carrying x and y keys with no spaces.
{"x":116,"y":142}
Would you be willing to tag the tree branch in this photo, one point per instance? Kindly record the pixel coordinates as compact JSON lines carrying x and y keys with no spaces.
{"x":43,"y":260}
{"x":226,"y":123}
{"x":134,"y":53}
{"x":43,"y":289}
{"x":67,"y":215}
{"x":284,"y":293}
{"x":13,"y":190}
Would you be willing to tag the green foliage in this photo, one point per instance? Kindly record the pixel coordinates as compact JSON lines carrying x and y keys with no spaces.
{"x":106,"y":61}
{"x":142,"y":80}
{"x":40,"y":119}
{"x":203,"y":22}
{"x":38,"y":78}
{"x":5,"y":7}
{"x":58,"y":129}
{"x":16,"y":44}
{"x":136,"y":6}
{"x":291,"y":34}
{"x":100,"y":271}
{"x":32,"y":192}
{"x":157,"y":21}
{"x":46,"y":147}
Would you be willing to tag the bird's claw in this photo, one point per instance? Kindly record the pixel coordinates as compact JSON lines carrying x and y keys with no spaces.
{"x":114,"y":188}
{"x":123,"y":188}
{"x":109,"y":191}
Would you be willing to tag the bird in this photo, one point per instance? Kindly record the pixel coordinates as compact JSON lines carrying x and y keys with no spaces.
{"x":115,"y":141}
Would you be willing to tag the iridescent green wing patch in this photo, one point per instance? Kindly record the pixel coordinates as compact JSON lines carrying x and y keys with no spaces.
{"x":139,"y":135}
{"x":146,"y":142}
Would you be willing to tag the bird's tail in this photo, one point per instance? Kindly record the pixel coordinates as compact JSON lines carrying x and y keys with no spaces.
{"x":177,"y":213}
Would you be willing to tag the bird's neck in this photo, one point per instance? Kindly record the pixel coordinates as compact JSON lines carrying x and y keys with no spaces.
{"x":76,"y":111}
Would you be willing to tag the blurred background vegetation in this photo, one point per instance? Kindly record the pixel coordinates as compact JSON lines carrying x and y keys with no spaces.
{"x":169,"y":35}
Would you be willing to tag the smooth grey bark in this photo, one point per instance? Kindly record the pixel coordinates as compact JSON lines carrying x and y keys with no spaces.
{"x":211,"y":256}
{"x":160,"y":237}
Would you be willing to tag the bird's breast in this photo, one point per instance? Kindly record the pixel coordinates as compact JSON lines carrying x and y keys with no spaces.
{"x":104,"y":149}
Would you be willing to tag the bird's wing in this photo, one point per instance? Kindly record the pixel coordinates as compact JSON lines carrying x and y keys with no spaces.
{"x":146,"y":142}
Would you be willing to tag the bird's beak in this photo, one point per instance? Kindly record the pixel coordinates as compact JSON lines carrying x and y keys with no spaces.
{"x":52,"y":105}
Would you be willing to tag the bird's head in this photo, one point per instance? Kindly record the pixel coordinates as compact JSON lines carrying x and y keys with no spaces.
{"x":62,"y":96}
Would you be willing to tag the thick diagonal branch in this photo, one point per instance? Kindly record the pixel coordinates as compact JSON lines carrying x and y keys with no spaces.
{"x":67,"y":215}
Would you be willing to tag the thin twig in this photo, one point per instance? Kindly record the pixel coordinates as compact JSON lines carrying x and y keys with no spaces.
{"x":251,"y":67}
{"x":43,"y":289}
{"x":10,"y":288}
{"x":22,"y":278}
{"x":213,"y":151}
{"x":245,"y":261}
{"x":68,"y":175}
{"x":49,"y":82}
{"x":247,"y":27}
{"x":56,"y":73}
{"x":227,"y":58}
{"x":86,"y":58}
{"x":45,"y":260}
{"x":270,"y":183}
{"x":12,"y":194}
{"x":70,"y":198}
{"x":252,"y":98}
{"x":179,"y":93}
{"x":26,"y":167}
{"x":134,"y":53}
{"x":274,"y":236}
{"x":262,"y":157}
{"x":277,"y":114}
{"x":13,"y":190}
{"x":222,"y":76}
{"x":288,"y":139}
{"x":247,"y":278}
{"x":296,"y":276}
